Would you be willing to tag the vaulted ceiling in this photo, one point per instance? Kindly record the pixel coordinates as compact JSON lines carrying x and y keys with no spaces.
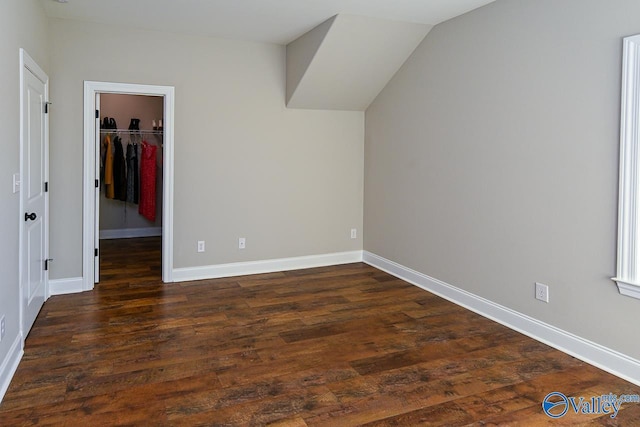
{"x":271,"y":21}
{"x":340,"y":53}
{"x":345,"y":62}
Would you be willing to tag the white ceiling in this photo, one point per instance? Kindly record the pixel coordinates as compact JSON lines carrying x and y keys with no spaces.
{"x":271,"y":21}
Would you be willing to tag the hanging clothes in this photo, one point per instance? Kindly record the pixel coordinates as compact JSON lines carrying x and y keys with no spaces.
{"x":119,"y":171}
{"x":132,"y":173}
{"x":147,"y":207}
{"x":103,"y":159}
{"x":109,"y":190}
{"x":136,"y":174}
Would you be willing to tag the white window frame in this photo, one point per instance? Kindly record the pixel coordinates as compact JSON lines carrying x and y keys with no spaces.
{"x":628,"y":268}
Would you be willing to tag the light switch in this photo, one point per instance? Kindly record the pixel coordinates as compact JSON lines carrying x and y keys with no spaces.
{"x":16,"y":182}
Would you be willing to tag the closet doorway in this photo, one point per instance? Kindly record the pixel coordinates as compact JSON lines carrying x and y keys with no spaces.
{"x":130,"y":145}
{"x":128,"y":170}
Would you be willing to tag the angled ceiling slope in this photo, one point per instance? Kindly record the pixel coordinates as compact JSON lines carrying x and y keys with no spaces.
{"x":344,"y":63}
{"x":267,"y":21}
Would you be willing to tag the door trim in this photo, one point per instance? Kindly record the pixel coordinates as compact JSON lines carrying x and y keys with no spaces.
{"x":28,"y":63}
{"x":91,"y":88}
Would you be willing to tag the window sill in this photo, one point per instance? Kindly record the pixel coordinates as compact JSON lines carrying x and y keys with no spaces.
{"x":627,"y":288}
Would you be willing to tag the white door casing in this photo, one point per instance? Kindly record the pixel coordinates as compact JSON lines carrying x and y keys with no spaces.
{"x":90,"y":228}
{"x":34,"y":198}
{"x":96,"y":234}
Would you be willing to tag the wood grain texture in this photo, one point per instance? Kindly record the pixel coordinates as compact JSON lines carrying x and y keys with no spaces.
{"x":335,"y":346}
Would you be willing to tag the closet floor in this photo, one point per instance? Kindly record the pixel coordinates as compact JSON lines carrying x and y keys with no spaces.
{"x":137,"y":259}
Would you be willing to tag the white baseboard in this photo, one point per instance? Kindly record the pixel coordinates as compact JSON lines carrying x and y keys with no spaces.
{"x":264,"y":266}
{"x":10,"y":364}
{"x":595,"y":354}
{"x":128,"y":233}
{"x":66,"y":286}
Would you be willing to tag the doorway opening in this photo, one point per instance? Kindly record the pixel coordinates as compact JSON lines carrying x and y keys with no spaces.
{"x":131,"y":179}
{"x":128,"y":173}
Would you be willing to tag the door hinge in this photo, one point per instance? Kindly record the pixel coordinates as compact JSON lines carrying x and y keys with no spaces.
{"x":97,"y":114}
{"x":95,"y":252}
{"x":46,"y":187}
{"x":46,"y":107}
{"x":97,"y":183}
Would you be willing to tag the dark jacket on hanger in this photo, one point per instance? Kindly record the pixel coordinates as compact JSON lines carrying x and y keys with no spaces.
{"x":132,"y":173}
{"x":119,"y":171}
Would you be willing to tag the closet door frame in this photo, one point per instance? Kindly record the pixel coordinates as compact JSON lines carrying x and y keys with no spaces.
{"x":89,"y":226}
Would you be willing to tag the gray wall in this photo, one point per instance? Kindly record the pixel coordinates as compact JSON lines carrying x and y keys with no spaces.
{"x":491,"y":161}
{"x":22,"y":25}
{"x":290,"y":182}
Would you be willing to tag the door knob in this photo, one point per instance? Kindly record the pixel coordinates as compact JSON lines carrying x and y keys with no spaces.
{"x":30,"y":216}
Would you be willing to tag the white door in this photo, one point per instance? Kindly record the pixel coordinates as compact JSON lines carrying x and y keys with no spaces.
{"x":34,"y":166}
{"x":96,"y":233}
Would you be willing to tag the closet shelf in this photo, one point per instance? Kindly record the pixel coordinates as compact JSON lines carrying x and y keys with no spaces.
{"x":152,"y":132}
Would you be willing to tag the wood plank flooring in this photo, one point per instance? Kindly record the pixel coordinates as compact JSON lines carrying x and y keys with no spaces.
{"x":336,"y":346}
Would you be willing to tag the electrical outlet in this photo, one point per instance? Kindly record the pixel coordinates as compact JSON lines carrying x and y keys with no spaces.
{"x":542,"y":292}
{"x":242,"y":243}
{"x":354,"y":233}
{"x":3,"y":328}
{"x":200,"y":245}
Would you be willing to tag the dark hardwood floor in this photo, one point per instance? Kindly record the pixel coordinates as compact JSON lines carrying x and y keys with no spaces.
{"x":336,"y":346}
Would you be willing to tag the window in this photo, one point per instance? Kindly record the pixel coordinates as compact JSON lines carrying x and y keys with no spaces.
{"x":628,"y":269}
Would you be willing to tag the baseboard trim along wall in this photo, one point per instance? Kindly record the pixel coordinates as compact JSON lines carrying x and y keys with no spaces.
{"x":128,"y":233}
{"x":10,"y":365}
{"x":66,"y":286}
{"x":595,"y":354}
{"x":264,"y":266}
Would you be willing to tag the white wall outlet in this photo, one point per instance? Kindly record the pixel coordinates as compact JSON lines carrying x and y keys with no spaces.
{"x":542,"y":292}
{"x":242,"y":242}
{"x":354,"y":233}
{"x":200,"y":245}
{"x":3,"y":328}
